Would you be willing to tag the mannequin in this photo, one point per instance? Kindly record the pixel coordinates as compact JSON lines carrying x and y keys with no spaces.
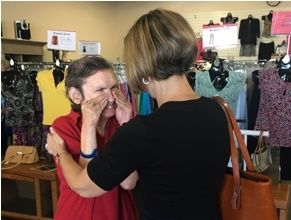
{"x":284,"y":68}
{"x":208,"y":55}
{"x":9,"y":77}
{"x":58,"y":73}
{"x":219,"y":77}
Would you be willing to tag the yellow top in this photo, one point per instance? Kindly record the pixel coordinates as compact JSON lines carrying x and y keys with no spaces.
{"x":55,"y":101}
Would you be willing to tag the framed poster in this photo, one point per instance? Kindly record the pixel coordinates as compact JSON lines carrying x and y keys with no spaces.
{"x":219,"y":36}
{"x":61,"y":40}
{"x":89,"y":47}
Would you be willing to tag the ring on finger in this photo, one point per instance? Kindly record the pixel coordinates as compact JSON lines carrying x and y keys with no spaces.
{"x":89,"y":102}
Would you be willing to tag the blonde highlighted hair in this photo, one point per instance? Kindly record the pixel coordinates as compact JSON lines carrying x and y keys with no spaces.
{"x":160,"y":44}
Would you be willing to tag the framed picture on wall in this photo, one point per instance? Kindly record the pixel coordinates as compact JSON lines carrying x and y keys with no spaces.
{"x":61,"y":40}
{"x":89,"y":47}
{"x":220,"y":36}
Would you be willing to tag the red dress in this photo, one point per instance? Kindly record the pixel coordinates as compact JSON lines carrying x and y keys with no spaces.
{"x":117,"y":204}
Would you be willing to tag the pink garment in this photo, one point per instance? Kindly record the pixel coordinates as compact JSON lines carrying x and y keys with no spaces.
{"x":274,"y":113}
{"x":289,"y":45}
{"x":124,"y":90}
{"x":133,"y":104}
{"x":200,"y":49}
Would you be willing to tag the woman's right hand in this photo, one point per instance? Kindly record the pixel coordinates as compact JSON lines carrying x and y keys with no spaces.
{"x":92,"y":109}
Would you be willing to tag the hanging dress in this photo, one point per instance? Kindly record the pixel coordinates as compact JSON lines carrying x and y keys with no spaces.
{"x":230,"y":93}
{"x":274,"y":114}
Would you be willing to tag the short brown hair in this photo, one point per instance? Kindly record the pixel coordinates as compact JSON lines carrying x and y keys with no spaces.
{"x":79,"y":70}
{"x":160,"y":44}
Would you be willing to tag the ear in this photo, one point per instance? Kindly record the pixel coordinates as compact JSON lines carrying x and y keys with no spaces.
{"x":75,"y":95}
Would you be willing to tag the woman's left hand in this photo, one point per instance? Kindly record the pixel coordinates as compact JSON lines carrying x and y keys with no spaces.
{"x":55,"y":144}
{"x":123,"y":112}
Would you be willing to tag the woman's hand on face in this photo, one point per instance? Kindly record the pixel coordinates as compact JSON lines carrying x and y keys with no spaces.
{"x":55,"y":144}
{"x":123,"y":112}
{"x":92,"y":109}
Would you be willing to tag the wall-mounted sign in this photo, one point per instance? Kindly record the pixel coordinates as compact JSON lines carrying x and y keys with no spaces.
{"x":61,"y":40}
{"x":281,"y":23}
{"x":89,"y":47}
{"x":219,"y":36}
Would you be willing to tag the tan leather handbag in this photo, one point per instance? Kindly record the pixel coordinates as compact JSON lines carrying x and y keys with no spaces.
{"x":16,"y":155}
{"x":245,"y":194}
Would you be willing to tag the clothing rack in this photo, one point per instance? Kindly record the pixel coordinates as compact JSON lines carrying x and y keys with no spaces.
{"x":38,"y":66}
{"x":41,"y":63}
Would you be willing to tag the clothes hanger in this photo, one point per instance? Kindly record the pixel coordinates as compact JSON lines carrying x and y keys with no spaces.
{"x":210,"y":23}
{"x":229,"y":15}
{"x":218,"y":75}
{"x":282,"y":44}
{"x":270,"y":15}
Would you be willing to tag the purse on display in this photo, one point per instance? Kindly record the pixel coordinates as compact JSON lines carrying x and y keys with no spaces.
{"x":17,"y":154}
{"x":244,"y":194}
{"x":262,"y":157}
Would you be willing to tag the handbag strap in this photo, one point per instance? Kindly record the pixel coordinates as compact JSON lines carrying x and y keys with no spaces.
{"x":14,"y":165}
{"x":260,"y":143}
{"x":237,"y":132}
{"x":234,"y":129}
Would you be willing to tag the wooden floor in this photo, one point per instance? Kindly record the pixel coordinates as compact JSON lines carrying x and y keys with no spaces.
{"x":273,"y":172}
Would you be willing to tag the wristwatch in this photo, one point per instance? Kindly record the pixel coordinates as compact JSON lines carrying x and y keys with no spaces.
{"x":273,"y":3}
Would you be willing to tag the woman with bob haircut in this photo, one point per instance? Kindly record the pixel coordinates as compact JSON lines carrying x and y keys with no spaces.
{"x":180,"y":151}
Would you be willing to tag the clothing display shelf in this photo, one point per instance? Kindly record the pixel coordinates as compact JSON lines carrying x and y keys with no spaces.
{"x":23,"y":50}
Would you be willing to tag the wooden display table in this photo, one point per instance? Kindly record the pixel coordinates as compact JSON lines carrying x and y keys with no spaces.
{"x":281,"y":192}
{"x":46,"y":192}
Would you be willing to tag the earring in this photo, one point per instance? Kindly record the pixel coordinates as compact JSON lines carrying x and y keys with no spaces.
{"x":146,"y":82}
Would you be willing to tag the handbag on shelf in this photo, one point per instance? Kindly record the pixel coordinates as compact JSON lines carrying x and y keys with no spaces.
{"x":244,"y":194}
{"x":262,"y":157}
{"x":17,"y":154}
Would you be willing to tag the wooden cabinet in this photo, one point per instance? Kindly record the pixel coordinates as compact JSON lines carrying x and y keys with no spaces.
{"x":23,"y":50}
{"x":20,"y":204}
